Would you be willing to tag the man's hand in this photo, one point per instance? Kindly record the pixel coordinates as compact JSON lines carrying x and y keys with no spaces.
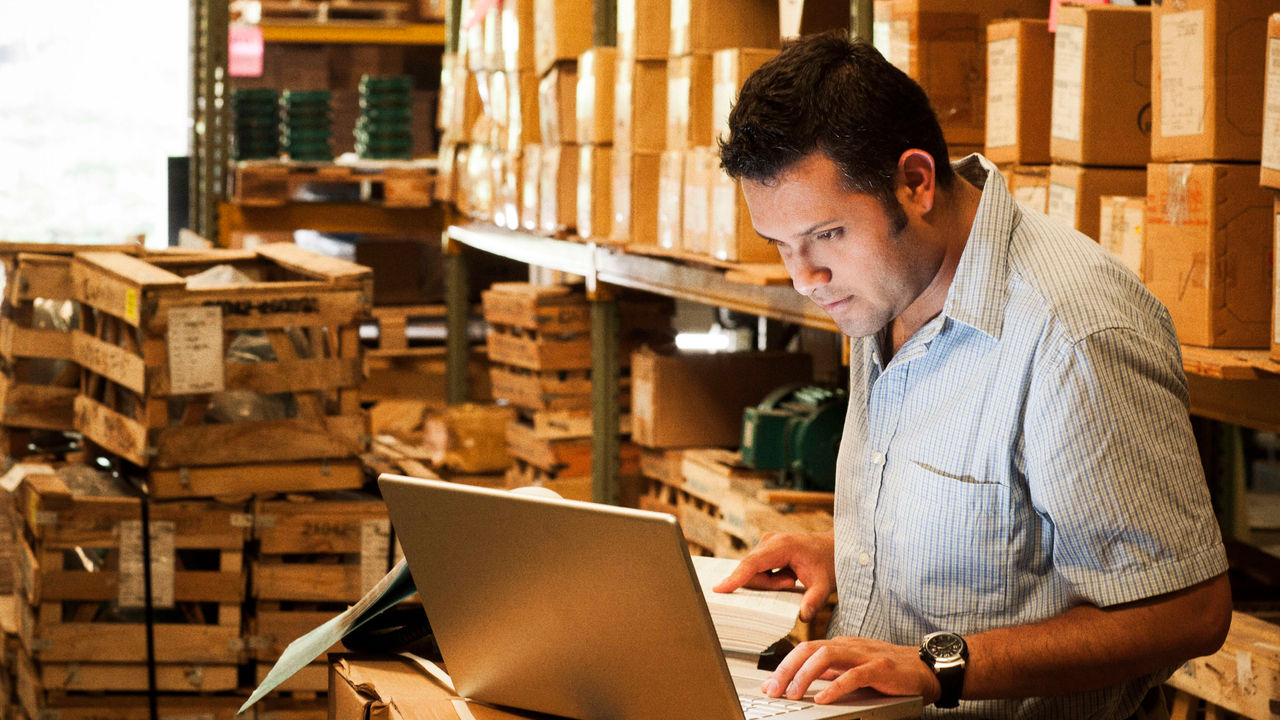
{"x":780,"y":560}
{"x":851,"y":664}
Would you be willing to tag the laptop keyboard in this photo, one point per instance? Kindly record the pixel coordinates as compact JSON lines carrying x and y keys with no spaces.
{"x":762,"y":707}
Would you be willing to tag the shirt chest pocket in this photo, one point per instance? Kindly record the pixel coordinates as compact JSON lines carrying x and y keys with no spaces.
{"x":948,"y":544}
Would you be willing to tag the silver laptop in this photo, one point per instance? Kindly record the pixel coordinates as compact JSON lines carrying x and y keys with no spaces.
{"x":578,"y":609}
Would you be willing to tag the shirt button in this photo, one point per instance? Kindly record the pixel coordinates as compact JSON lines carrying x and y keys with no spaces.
{"x":864,"y":558}
{"x":877,"y":458}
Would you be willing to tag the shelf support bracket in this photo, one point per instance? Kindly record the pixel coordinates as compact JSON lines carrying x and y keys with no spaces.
{"x":457,"y":289}
{"x":606,"y":443}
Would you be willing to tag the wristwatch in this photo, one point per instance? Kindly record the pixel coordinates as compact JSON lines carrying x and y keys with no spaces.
{"x":946,"y":654}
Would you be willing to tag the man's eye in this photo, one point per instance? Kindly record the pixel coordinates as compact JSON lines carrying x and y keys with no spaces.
{"x":829,"y":234}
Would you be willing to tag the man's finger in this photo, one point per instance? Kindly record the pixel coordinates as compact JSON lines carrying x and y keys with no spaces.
{"x":754,"y":564}
{"x":815,"y":597}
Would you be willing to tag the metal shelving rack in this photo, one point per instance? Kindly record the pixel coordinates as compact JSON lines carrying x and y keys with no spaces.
{"x":210,"y":20}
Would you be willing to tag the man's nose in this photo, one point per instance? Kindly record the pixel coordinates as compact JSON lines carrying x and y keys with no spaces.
{"x":808,"y":276}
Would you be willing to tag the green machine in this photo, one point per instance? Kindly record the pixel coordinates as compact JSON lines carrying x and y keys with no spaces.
{"x":796,"y":431}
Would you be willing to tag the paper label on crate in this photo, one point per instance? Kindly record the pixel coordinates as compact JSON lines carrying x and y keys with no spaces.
{"x":1271,"y":113}
{"x":1120,"y":230}
{"x":1002,"y":92}
{"x":1062,"y":204}
{"x":194,"y":339}
{"x":724,"y":212}
{"x":19,"y":472}
{"x":375,"y":550}
{"x":1068,"y":82}
{"x":131,"y":590}
{"x":1182,"y":101}
{"x":1035,"y":197}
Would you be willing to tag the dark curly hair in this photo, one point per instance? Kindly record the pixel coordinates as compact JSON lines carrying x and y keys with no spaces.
{"x":839,"y":96}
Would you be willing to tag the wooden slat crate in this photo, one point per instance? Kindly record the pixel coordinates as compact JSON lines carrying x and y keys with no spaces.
{"x":37,"y":701}
{"x":255,"y":479}
{"x":553,"y":309}
{"x":393,"y":323}
{"x":419,"y":373}
{"x":1242,"y":677}
{"x":558,"y":456}
{"x":539,"y":390}
{"x":533,"y":350}
{"x":153,"y":356}
{"x":274,"y":183}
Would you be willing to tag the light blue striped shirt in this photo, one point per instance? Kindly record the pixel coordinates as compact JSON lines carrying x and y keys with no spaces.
{"x":1026,"y":451}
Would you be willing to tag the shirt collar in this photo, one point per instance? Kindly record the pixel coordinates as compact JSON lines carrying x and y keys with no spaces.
{"x":980,"y":286}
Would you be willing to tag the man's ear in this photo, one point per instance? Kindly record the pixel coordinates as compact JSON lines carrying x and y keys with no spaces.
{"x":917,"y":181}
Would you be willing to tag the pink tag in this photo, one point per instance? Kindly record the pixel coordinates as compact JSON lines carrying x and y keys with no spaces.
{"x":244,"y":55}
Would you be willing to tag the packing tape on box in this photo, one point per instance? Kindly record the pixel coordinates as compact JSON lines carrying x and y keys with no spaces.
{"x":1176,"y":204}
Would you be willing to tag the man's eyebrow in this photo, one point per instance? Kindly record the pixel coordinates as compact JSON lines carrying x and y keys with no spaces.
{"x":807,"y":231}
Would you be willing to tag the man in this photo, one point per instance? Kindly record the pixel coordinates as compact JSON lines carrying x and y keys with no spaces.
{"x":1017,"y":469}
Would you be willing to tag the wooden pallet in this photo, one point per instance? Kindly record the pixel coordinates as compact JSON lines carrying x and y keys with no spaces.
{"x":229,"y":481}
{"x":1242,"y":677}
{"x":534,"y":350}
{"x":564,"y":390}
{"x":40,"y":702}
{"x":304,"y":12}
{"x":153,"y":356}
{"x":275,"y":183}
{"x":326,"y":548}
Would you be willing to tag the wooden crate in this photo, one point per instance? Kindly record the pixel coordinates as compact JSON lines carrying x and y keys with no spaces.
{"x":393,"y":323}
{"x":274,"y":183}
{"x":324,"y":548}
{"x":541,"y":390}
{"x":153,"y":351}
{"x":548,"y":450}
{"x":1242,"y":677}
{"x":37,"y":701}
{"x":552,"y":309}
{"x":81,"y":578}
{"x":419,"y":374}
{"x":255,"y":479}
{"x":535,"y":350}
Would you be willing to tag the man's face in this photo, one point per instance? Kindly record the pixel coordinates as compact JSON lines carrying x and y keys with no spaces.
{"x":840,"y":247}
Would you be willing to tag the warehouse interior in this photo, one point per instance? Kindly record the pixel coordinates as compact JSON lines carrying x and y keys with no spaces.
{"x":259,"y":253}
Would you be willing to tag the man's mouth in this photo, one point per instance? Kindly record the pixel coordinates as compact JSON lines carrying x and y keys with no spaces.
{"x":833,"y":305}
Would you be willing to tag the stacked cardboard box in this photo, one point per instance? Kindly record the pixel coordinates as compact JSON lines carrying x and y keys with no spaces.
{"x":1270,"y":174}
{"x":1019,"y":59}
{"x":597,"y":75}
{"x":639,"y":116}
{"x":1208,"y":227}
{"x":1099,"y":132}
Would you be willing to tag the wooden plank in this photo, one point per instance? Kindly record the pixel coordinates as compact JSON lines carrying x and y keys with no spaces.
{"x":571,"y":457}
{"x":254,"y":307}
{"x":320,"y":525}
{"x":115,"y":432}
{"x":132,"y":270}
{"x":307,"y":582}
{"x":132,"y":677}
{"x":540,"y":353}
{"x":1228,"y":363}
{"x":44,"y":407}
{"x":1251,"y":403}
{"x":126,"y":642}
{"x":663,"y":465}
{"x":534,"y":390}
{"x":545,"y":308}
{"x":18,"y":341}
{"x":42,"y":276}
{"x":109,"y":361}
{"x":255,"y":478}
{"x":335,"y":437}
{"x":711,"y":473}
{"x":188,"y":586}
{"x":1243,"y":676}
{"x":313,"y":264}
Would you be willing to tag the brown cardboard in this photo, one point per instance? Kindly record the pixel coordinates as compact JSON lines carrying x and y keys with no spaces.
{"x":635,"y":198}
{"x":522,"y":106}
{"x":1208,"y":251}
{"x":508,"y":181}
{"x":670,"y":199}
{"x":518,"y":47}
{"x":689,"y":98}
{"x":531,"y":176}
{"x":1275,"y":291}
{"x":644,"y":29}
{"x":557,"y":103}
{"x":1121,"y":228}
{"x":1270,"y":176}
{"x":702,"y":26}
{"x":1076,"y":190}
{"x":695,"y":216}
{"x":595,"y":211}
{"x":389,"y":687}
{"x":558,"y":189}
{"x":1019,"y":60}
{"x":493,"y":50}
{"x":733,"y":237}
{"x":641,"y":84}
{"x":697,"y":399}
{"x":729,"y":69}
{"x":597,"y":74}
{"x":942,"y":44}
{"x":1101,"y":86}
{"x":562,"y":31}
{"x":1029,"y":185}
{"x":1209,"y":59}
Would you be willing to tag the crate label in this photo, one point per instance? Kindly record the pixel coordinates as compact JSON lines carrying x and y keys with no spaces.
{"x":1002,"y":92}
{"x":12,"y":479}
{"x":1068,"y":82}
{"x":1062,"y":204}
{"x":132,"y":586}
{"x":131,"y":305}
{"x":375,"y":549}
{"x":194,"y":340}
{"x":1271,"y":108}
{"x":1182,"y":81}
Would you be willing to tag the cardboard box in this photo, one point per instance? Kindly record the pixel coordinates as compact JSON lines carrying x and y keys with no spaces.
{"x":557,"y":104}
{"x":391,"y":687}
{"x":518,"y":47}
{"x":1207,"y":88}
{"x":797,"y":18}
{"x":562,"y":31}
{"x":1121,"y":226}
{"x":1019,"y":59}
{"x":595,"y":210}
{"x":644,"y":29}
{"x":640,"y":84}
{"x":460,"y":104}
{"x":523,"y":126}
{"x":695,"y":217}
{"x":729,"y":69}
{"x":1208,"y":250}
{"x":558,"y":189}
{"x":1271,"y":108}
{"x":1275,"y":290}
{"x":670,"y":199}
{"x":1076,"y":190}
{"x":471,"y":43}
{"x":701,"y":26}
{"x":508,"y":181}
{"x":635,"y":198}
{"x":733,"y":237}
{"x":530,"y":177}
{"x":689,"y":99}
{"x":1101,"y":86}
{"x":446,"y":183}
{"x":1029,"y":185}
{"x":597,"y":73}
{"x":493,"y":58}
{"x":697,"y":399}
{"x":943,"y":46}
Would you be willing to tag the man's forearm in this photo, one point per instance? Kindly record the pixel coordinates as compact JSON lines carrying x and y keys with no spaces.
{"x":1089,"y":647}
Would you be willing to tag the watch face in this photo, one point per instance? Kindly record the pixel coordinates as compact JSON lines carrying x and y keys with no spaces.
{"x":944,"y":646}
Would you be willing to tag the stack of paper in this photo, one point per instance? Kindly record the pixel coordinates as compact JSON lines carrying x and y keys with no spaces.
{"x":746,"y":621}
